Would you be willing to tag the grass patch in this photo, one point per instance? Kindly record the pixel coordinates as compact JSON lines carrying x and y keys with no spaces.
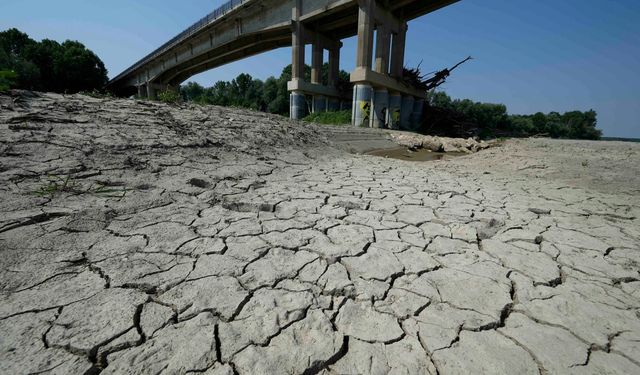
{"x":330,"y":118}
{"x":58,"y":184}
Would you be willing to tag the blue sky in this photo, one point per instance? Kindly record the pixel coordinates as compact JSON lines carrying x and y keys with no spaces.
{"x":543,"y":55}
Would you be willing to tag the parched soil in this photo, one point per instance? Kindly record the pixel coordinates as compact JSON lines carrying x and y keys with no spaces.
{"x":141,"y":238}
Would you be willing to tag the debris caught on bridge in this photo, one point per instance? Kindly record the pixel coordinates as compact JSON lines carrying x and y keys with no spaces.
{"x":430,"y":81}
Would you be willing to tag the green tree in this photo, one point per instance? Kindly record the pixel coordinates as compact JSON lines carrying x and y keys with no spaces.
{"x":7,"y":79}
{"x":192,"y":91}
{"x":78,"y":69}
{"x":49,"y":65}
{"x":14,"y":42}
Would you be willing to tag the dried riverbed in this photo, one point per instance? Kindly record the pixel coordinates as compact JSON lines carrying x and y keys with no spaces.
{"x":141,"y":238}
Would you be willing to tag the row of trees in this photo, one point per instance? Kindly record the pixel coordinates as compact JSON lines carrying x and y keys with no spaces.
{"x":48,"y":65}
{"x":444,"y":115}
{"x":270,"y":95}
{"x":489,"y":120}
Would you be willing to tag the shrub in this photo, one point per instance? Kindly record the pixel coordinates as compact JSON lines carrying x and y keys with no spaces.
{"x":7,"y":79}
{"x":330,"y":118}
{"x":170,"y":96}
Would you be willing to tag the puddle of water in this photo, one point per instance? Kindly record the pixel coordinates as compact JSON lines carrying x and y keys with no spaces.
{"x":402,"y":153}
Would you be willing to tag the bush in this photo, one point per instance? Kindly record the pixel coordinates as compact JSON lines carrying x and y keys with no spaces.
{"x":7,"y":79}
{"x":330,"y":118}
{"x":170,"y":96}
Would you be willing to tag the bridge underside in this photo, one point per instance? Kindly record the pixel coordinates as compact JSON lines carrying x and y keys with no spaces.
{"x":379,"y":98}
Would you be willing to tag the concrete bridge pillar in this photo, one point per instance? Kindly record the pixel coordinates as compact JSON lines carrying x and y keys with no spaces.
{"x":363,"y":91}
{"x":395,"y":104}
{"x":297,"y":102}
{"x":380,"y":108}
{"x":406,"y":112}
{"x":319,"y":101}
{"x":365,"y":34}
{"x":361,"y":108}
{"x":398,"y":50}
{"x":418,"y":108}
{"x":151,"y":92}
{"x":333,"y":103}
{"x":383,"y":42}
{"x":142,"y":91}
{"x":297,"y":105}
{"x":334,"y":65}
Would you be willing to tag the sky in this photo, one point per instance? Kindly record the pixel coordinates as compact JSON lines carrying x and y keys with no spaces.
{"x":543,"y":55}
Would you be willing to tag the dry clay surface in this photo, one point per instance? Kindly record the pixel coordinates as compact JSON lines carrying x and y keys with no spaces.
{"x":139,"y":238}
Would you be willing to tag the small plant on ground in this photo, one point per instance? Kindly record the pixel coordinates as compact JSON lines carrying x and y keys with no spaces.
{"x":330,"y":118}
{"x":66,"y":184}
{"x":56,"y":184}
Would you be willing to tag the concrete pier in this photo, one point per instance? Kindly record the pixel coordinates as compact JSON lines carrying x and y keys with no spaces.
{"x":406,"y":112}
{"x":395,"y":105}
{"x":319,"y":104}
{"x":384,"y":74}
{"x":380,"y":108}
{"x":361,"y":109}
{"x":297,"y":105}
{"x":418,"y":109}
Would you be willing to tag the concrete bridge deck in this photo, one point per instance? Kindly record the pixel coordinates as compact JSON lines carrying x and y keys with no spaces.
{"x":242,"y":28}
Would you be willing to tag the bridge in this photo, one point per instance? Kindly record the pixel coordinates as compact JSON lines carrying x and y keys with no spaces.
{"x":242,"y":28}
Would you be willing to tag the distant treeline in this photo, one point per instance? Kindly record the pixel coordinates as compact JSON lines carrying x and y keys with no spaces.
{"x":48,"y":65}
{"x":270,"y":95}
{"x":458,"y":117}
{"x":443,"y":115}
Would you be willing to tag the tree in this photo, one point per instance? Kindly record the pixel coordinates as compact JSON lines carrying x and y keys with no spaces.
{"x":7,"y":79}
{"x":192,"y":91}
{"x":14,"y":42}
{"x":461,"y":117}
{"x":49,"y":65}
{"x":78,"y":69}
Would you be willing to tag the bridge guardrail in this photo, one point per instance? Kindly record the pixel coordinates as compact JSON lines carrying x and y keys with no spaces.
{"x":202,"y":23}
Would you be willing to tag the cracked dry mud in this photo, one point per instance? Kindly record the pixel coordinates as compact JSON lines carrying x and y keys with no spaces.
{"x":139,"y":238}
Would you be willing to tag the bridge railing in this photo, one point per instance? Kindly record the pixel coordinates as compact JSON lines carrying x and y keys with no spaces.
{"x":202,"y":23}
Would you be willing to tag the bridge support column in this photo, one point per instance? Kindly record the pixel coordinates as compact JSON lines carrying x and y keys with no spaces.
{"x":297,"y":99}
{"x":384,"y":74}
{"x":397,"y":52}
{"x":142,"y":91}
{"x":363,"y":91}
{"x":365,"y":33}
{"x":395,"y":104}
{"x":406,"y":112}
{"x":416,"y":119}
{"x":319,"y":101}
{"x":297,"y":105}
{"x":380,"y":108}
{"x":324,"y":96}
{"x":334,"y":65}
{"x":383,"y":42}
{"x":151,"y":92}
{"x":361,"y":108}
